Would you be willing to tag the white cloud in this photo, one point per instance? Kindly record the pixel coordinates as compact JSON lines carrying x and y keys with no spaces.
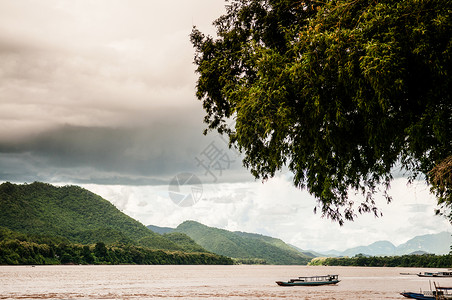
{"x":277,"y":209}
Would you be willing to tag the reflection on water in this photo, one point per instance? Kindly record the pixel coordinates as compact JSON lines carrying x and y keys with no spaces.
{"x":203,"y":282}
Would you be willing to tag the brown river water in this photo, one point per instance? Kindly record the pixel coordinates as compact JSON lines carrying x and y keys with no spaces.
{"x":205,"y":282}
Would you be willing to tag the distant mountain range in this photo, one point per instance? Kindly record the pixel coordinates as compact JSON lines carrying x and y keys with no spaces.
{"x":75,"y":215}
{"x":429,"y":243}
{"x":243,"y":246}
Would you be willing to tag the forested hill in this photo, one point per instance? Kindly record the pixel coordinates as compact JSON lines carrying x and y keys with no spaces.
{"x":244,"y":247}
{"x":73,"y":213}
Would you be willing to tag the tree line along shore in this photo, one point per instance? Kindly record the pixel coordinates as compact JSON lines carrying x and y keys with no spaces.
{"x":21,"y":249}
{"x":23,"y":252}
{"x":419,"y":261}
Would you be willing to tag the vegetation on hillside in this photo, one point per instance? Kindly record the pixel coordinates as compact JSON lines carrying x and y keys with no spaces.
{"x":21,"y":249}
{"x":244,"y":247}
{"x":44,"y":224}
{"x":249,"y":261}
{"x":74,"y":213}
{"x":183,"y":240}
{"x":272,"y":241}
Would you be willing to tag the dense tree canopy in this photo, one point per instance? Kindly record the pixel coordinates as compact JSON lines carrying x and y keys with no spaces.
{"x":340,"y":92}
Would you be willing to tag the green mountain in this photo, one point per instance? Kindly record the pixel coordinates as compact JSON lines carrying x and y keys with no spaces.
{"x":184,"y":241}
{"x":75,"y":214}
{"x":160,"y":230}
{"x":309,"y":253}
{"x":274,"y":241}
{"x":243,"y":246}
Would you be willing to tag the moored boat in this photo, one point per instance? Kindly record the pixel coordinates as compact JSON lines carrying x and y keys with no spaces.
{"x":311,"y":281}
{"x":420,"y":296}
{"x":435,"y":274}
{"x":440,"y":292}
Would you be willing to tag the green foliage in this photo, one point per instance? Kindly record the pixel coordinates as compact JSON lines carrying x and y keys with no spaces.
{"x":441,"y":180}
{"x":338,"y":91}
{"x":160,"y":242}
{"x":105,"y":234}
{"x":249,"y":261}
{"x":184,"y":241}
{"x":7,"y":234}
{"x":419,"y":261}
{"x":160,"y":230}
{"x":242,"y":246}
{"x":44,"y":214}
{"x":72,"y":213}
{"x":318,"y":261}
{"x":21,"y":249}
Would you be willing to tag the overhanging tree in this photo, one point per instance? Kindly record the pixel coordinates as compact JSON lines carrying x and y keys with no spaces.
{"x":340,"y":92}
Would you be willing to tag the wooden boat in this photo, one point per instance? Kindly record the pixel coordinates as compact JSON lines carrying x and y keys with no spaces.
{"x":435,"y":274}
{"x":420,"y":296}
{"x":427,"y":295}
{"x":311,"y":281}
{"x":440,"y":293}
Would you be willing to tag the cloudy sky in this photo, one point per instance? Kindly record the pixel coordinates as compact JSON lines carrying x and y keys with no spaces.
{"x":101,"y":94}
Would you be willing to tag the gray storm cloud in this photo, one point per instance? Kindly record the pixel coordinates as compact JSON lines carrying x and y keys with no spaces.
{"x":100,"y":91}
{"x":144,"y":155}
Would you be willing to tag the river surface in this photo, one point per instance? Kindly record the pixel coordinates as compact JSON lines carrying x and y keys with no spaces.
{"x":205,"y":282}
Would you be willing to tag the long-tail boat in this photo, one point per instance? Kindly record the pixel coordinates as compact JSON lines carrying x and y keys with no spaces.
{"x":311,"y":281}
